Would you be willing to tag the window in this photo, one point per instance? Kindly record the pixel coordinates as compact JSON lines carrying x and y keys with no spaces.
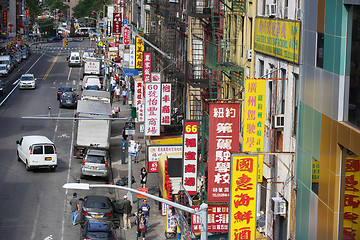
{"x":320,"y":50}
{"x":261,"y":68}
{"x":49,"y":149}
{"x":283,"y":89}
{"x":315,"y":176}
{"x":296,"y":101}
{"x":38,"y":150}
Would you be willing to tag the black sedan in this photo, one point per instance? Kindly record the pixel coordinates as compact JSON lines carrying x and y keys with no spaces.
{"x":68,"y":99}
{"x":96,"y":230}
{"x":97,"y":207}
{"x":55,"y":39}
{"x":61,"y":90}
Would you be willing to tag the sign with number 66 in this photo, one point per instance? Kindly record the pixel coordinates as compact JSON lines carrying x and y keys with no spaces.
{"x":191,"y":127}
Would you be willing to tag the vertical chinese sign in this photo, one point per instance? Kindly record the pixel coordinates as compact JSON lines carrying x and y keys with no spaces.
{"x":139,"y":53}
{"x":117,"y":24}
{"x":165,"y":103}
{"x":243,"y":197}
{"x":147,"y":68}
{"x":4,"y":20}
{"x":254,"y":119}
{"x":139,"y":103}
{"x":152,"y":109}
{"x":351,"y":225}
{"x":190,"y":151}
{"x":132,"y":56}
{"x":126,"y":35}
{"x":224,"y":128}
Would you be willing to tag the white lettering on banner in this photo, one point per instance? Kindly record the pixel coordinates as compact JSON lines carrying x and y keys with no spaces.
{"x":155,"y":152}
{"x":166,"y":104}
{"x":147,"y":68}
{"x":190,"y":150}
{"x":152,"y":109}
{"x":139,"y":96}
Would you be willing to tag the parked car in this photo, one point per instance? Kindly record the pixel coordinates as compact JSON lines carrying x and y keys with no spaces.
{"x":56,"y":38}
{"x":25,"y":53}
{"x":90,"y":80}
{"x":4,"y":70}
{"x":27,"y":81}
{"x":61,"y":90}
{"x":2,"y":89}
{"x":97,"y":207}
{"x":96,"y":230}
{"x":96,"y":163}
{"x":68,"y":99}
{"x":37,"y":152}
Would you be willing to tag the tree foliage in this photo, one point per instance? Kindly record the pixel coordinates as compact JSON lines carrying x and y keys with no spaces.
{"x":86,"y":7}
{"x":55,"y":4}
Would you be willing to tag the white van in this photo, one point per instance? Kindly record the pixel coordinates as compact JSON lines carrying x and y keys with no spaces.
{"x":91,"y":81}
{"x":75,"y":59}
{"x":37,"y":152}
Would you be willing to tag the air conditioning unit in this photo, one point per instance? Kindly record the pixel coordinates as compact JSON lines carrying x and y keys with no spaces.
{"x":248,"y":54}
{"x":152,"y":23}
{"x":279,"y":121}
{"x":271,"y":9}
{"x":286,"y":12}
{"x":250,"y":1}
{"x":298,"y":13}
{"x":279,"y":205}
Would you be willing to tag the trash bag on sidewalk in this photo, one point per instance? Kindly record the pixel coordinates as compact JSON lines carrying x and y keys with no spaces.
{"x":124,"y":181}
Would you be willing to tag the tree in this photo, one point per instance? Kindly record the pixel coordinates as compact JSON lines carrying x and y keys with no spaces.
{"x":86,"y":7}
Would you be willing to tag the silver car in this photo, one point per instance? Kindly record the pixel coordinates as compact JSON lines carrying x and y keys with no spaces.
{"x":96,"y":163}
{"x":27,"y":81}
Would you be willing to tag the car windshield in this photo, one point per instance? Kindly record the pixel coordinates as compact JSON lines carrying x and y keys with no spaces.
{"x":67,"y":95}
{"x":96,"y":205}
{"x":65,"y":89}
{"x":75,"y":58}
{"x":92,"y":88}
{"x":2,"y":67}
{"x":98,"y":235}
{"x":27,"y":78}
{"x":95,"y":159}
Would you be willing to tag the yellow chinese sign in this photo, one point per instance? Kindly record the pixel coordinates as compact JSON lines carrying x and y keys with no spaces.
{"x":139,"y":50}
{"x":351,"y":225}
{"x":315,"y":171}
{"x":243,"y":197}
{"x":278,"y":38}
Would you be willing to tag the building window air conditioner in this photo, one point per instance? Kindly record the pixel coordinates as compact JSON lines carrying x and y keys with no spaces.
{"x":279,"y":205}
{"x":271,"y":9}
{"x":248,"y":54}
{"x":279,"y":121}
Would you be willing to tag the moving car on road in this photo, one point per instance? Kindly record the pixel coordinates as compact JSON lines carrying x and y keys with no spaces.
{"x":104,"y":230}
{"x":97,"y":207}
{"x":27,"y":81}
{"x":68,"y":99}
{"x":2,"y":89}
{"x":57,"y":38}
{"x":61,"y":90}
{"x":3,"y":70}
{"x":96,"y":163}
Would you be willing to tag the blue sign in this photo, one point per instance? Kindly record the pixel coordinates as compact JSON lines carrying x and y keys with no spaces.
{"x":125,"y":21}
{"x":131,"y":72}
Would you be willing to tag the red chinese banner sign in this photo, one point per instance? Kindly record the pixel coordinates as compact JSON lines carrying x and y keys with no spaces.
{"x":139,"y":53}
{"x":152,"y":109}
{"x":218,"y":219}
{"x":139,"y":99}
{"x":155,"y":152}
{"x":190,"y":152}
{"x":351,"y":224}
{"x":243,"y":197}
{"x":117,"y":23}
{"x":224,"y":127}
{"x":126,"y":35}
{"x":165,"y":104}
{"x":147,"y":68}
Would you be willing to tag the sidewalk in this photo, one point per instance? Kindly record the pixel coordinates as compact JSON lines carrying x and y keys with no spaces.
{"x":157,"y":223}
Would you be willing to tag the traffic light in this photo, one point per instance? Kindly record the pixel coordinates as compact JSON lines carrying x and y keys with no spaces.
{"x":54,"y":27}
{"x":66,"y":42}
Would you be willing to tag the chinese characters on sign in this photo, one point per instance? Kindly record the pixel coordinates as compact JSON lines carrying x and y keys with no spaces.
{"x":218,"y":219}
{"x":351,"y":225}
{"x":152,"y":109}
{"x":139,"y":96}
{"x":155,"y":152}
{"x":117,"y":23}
{"x":132,"y":56}
{"x":243,"y":197}
{"x":4,"y":18}
{"x":147,"y":67}
{"x":126,"y":35}
{"x":166,"y":104}
{"x":139,"y":53}
{"x":155,"y":77}
{"x":224,"y":125}
{"x":190,"y":148}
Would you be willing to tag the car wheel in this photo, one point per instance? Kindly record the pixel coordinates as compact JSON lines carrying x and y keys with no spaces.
{"x":19,"y":159}
{"x":27,"y":167}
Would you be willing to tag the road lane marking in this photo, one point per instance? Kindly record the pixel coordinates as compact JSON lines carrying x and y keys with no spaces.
{"x":51,"y":67}
{"x":36,"y":217}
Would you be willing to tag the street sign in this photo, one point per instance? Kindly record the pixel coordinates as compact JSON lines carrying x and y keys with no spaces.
{"x":117,"y":23}
{"x":129,"y":128}
{"x":126,"y":35}
{"x":125,"y":22}
{"x":145,"y":190}
{"x":100,"y":44}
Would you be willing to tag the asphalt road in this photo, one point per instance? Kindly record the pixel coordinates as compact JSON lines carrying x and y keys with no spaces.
{"x":33,"y":205}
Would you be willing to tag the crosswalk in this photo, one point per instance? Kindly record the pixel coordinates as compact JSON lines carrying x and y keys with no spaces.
{"x":62,"y":49}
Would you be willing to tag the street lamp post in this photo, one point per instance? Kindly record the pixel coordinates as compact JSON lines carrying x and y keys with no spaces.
{"x":202,"y":212}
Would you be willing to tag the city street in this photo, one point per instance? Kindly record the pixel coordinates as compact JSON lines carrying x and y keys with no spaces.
{"x":34,"y":204}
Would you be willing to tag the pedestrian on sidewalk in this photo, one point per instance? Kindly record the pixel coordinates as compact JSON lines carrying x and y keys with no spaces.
{"x":142,"y":227}
{"x":145,"y":208}
{"x":124,"y":95}
{"x":75,"y":208}
{"x":143,"y":177}
{"x":117,"y":93}
{"x":127,"y":211}
{"x":137,"y":151}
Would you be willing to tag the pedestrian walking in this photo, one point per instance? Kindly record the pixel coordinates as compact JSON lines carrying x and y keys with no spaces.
{"x":124,"y":95}
{"x":75,"y":208}
{"x":127,"y":211}
{"x":138,"y":216}
{"x":142,"y":227}
{"x":143,"y":177}
{"x":145,"y":208}
{"x":137,"y":151}
{"x":117,"y":93}
{"x":112,"y":82}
